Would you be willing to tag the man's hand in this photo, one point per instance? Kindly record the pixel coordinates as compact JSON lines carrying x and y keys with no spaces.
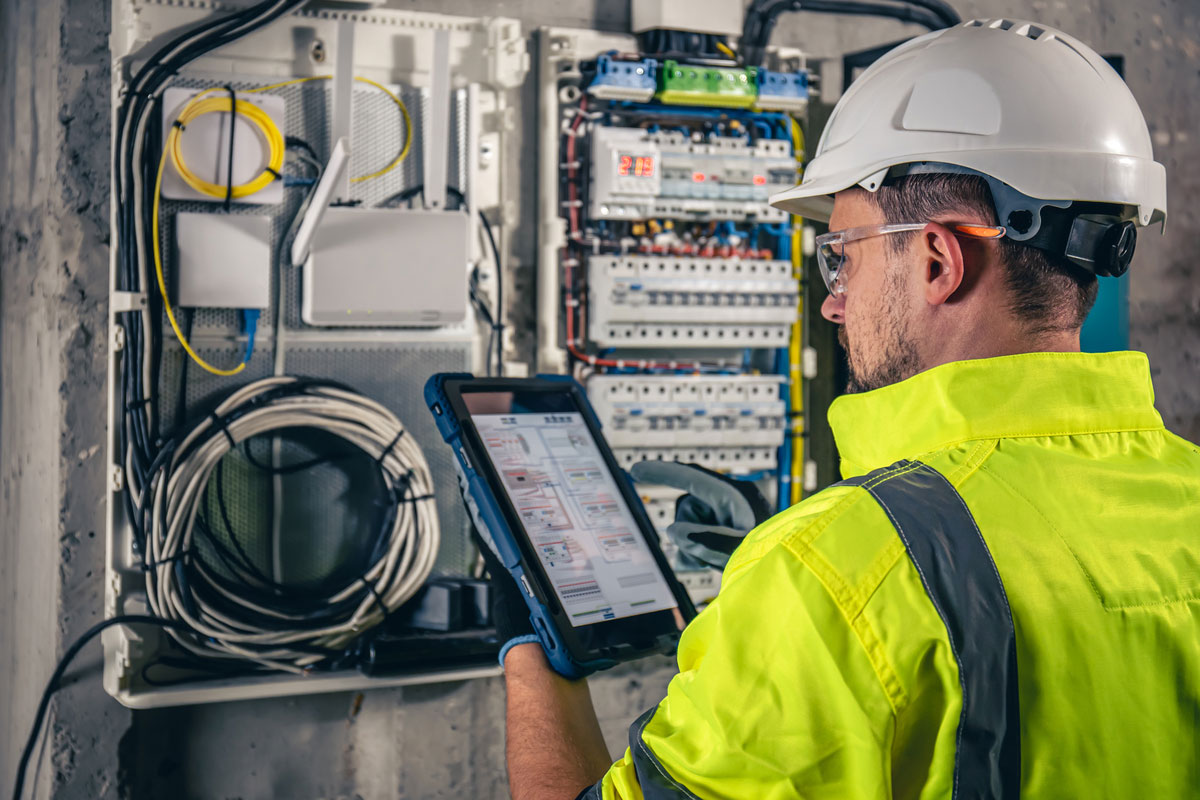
{"x":716,"y":513}
{"x":510,"y":614}
{"x":554,"y":747}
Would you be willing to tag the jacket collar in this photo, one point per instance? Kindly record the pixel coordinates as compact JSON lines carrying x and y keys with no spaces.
{"x":1031,"y":394}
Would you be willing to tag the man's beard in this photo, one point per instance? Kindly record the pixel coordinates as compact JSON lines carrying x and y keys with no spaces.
{"x":898,"y":355}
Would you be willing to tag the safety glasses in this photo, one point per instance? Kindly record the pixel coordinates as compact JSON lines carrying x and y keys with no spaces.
{"x":831,"y":247}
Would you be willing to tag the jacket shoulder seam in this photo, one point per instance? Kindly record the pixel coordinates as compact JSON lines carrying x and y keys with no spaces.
{"x":849,"y":599}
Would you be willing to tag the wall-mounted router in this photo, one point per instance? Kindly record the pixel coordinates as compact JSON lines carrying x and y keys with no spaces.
{"x":373,"y":267}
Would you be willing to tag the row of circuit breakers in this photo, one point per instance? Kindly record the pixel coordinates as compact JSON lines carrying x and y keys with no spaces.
{"x":702,"y":299}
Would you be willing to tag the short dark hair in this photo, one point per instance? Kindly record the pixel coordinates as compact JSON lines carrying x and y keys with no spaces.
{"x":1048,"y":293}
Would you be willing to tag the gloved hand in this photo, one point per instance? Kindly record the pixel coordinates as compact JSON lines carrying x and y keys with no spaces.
{"x":715,"y":514}
{"x":510,"y":614}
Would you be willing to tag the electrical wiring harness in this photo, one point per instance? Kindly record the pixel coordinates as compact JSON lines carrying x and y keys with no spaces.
{"x":229,"y":607}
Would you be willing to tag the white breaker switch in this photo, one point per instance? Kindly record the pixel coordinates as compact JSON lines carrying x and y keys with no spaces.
{"x":733,"y":423}
{"x":665,"y":301}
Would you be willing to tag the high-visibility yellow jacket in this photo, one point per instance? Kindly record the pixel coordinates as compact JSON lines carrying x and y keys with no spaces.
{"x":830,"y":666}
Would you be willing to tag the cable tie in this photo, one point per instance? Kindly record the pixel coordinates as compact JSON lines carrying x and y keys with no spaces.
{"x":387,"y":450}
{"x":402,"y":487}
{"x":232,"y":128}
{"x":178,"y":124}
{"x":182,"y":554}
{"x":271,"y":171}
{"x":139,"y":403}
{"x":378,"y":598}
{"x":219,"y":422}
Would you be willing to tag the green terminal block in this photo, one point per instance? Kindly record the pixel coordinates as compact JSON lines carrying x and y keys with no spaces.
{"x":693,"y":85}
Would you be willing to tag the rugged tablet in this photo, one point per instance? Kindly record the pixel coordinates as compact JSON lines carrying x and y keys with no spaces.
{"x":545,"y":491}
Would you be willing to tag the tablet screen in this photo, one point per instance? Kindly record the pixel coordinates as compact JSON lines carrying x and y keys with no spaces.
{"x":570,"y":505}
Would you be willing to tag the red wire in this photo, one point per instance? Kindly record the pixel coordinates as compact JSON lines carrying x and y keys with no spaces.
{"x":572,"y":302}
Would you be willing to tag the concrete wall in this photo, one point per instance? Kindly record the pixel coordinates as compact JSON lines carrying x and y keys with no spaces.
{"x":425,"y":742}
{"x":54,"y":113}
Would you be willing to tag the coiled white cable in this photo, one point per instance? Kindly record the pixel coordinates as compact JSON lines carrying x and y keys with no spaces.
{"x":231,"y":624}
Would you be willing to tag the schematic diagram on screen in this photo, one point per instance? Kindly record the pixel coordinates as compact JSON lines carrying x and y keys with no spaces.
{"x":584,"y":534}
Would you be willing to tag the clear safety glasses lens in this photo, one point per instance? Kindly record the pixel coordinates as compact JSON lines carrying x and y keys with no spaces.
{"x":830,"y":256}
{"x":831,"y":247}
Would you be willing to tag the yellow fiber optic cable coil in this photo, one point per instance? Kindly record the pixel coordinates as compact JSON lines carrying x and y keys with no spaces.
{"x":271,"y":135}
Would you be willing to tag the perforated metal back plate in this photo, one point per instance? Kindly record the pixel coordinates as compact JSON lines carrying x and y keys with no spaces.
{"x":318,"y":523}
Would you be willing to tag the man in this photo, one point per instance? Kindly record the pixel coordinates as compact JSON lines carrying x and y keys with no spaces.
{"x":1003,"y":599}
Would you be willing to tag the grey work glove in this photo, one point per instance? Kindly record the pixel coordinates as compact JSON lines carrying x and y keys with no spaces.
{"x":714,"y":516}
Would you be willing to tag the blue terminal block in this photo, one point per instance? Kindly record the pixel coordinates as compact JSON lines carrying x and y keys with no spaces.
{"x":782,"y":91}
{"x":624,"y":80}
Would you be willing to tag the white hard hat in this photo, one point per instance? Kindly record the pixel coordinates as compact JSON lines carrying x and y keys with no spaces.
{"x":1022,"y":104}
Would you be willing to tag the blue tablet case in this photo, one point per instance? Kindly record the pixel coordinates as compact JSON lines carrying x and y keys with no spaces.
{"x":490,"y":523}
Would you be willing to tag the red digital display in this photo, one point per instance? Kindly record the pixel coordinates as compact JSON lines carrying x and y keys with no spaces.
{"x":634,"y":166}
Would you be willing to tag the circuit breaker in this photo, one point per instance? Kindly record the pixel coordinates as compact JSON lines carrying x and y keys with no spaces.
{"x":639,"y":174}
{"x":731,"y":422}
{"x":668,"y":301}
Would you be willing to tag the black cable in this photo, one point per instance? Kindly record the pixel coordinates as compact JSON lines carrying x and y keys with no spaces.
{"x":223,"y":508}
{"x":299,"y":144}
{"x":942,"y":9}
{"x":289,"y":469}
{"x":232,"y":128}
{"x":55,"y":682}
{"x":216,"y":670}
{"x":142,"y":97}
{"x":181,"y":402}
{"x":498,"y":322}
{"x":762,"y":16}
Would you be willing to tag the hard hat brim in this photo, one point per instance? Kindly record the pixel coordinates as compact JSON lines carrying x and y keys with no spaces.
{"x":798,"y":201}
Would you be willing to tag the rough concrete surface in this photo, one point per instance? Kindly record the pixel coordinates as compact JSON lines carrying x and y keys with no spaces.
{"x":54,"y":113}
{"x":420,"y":742}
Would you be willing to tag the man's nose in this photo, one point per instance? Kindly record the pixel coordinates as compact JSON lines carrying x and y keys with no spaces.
{"x":834,"y":309}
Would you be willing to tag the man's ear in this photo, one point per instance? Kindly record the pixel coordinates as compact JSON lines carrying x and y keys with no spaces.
{"x":942,"y":265}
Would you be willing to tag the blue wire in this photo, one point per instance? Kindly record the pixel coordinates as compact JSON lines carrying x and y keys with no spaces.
{"x":724,"y":114}
{"x":250,"y":326}
{"x":783,"y":471}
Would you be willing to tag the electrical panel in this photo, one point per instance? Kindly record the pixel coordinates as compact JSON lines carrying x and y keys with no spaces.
{"x":358,"y":155}
{"x":671,"y":301}
{"x":733,"y":423}
{"x":667,"y":282}
{"x":276,"y":397}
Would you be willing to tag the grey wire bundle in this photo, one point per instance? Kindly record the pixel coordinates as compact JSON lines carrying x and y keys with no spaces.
{"x":229,"y":623}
